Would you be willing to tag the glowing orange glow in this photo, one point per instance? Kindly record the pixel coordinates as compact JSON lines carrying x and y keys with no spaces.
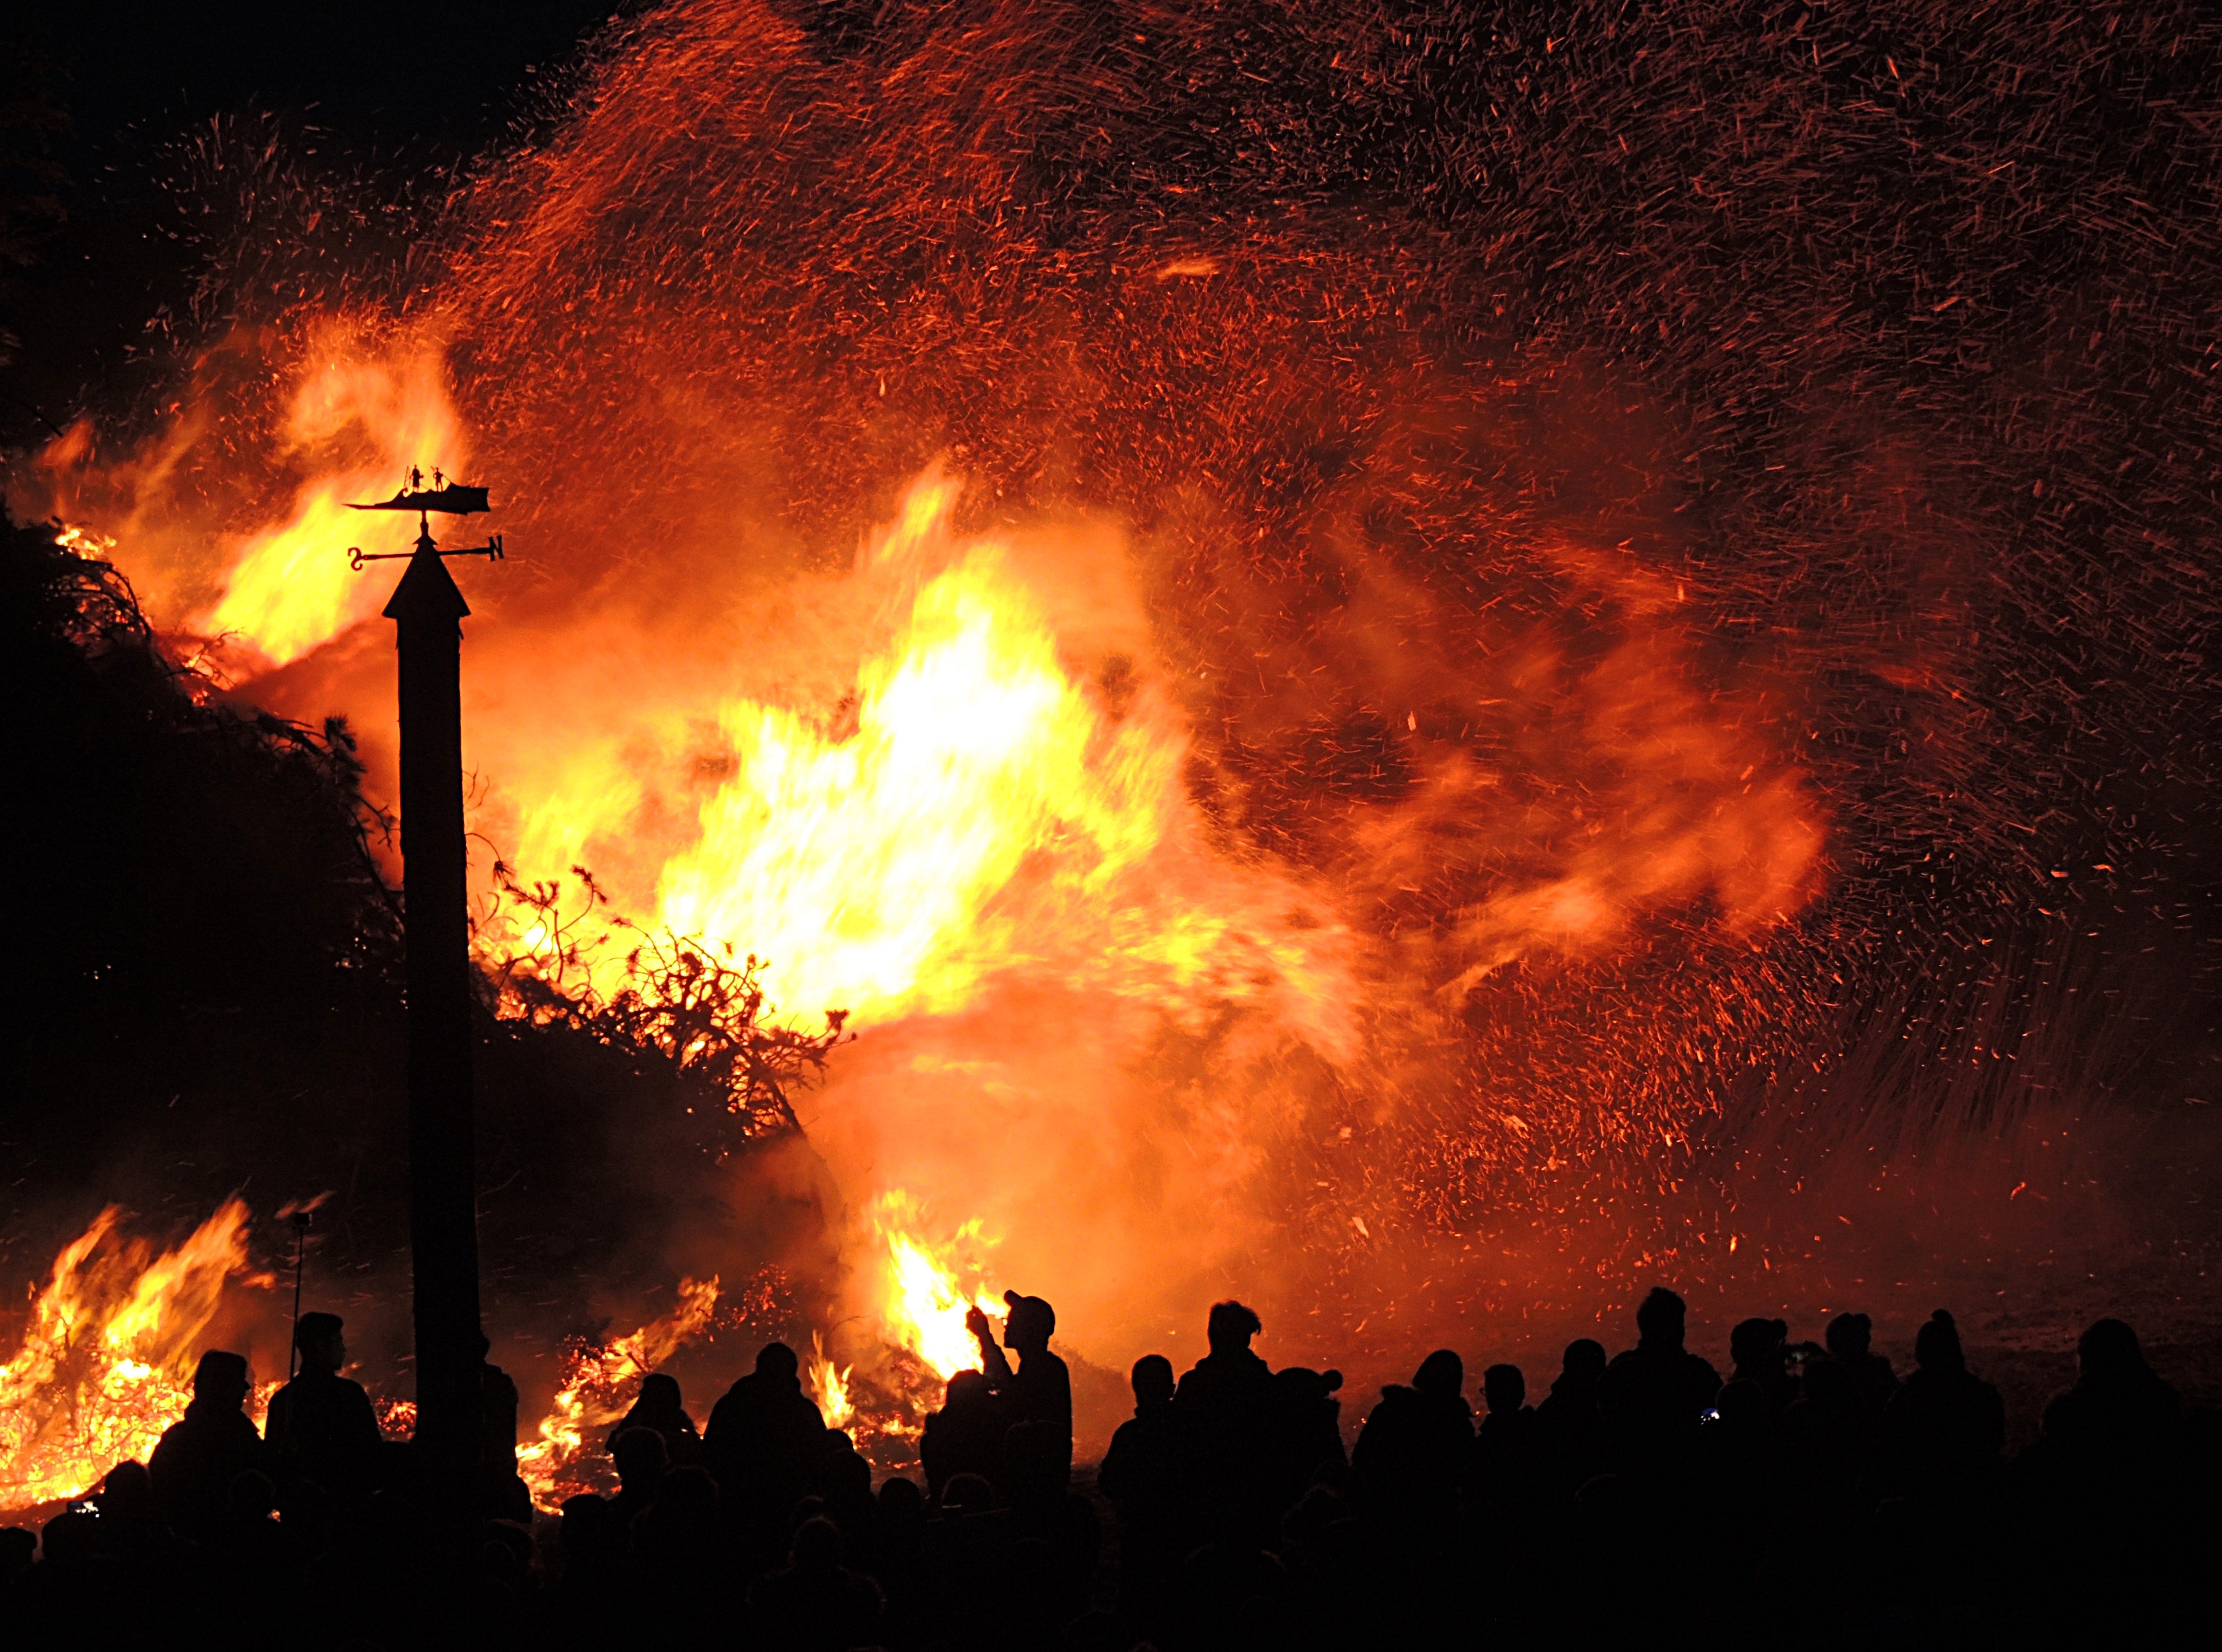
{"x":597,"y":1387}
{"x":106,"y":1363}
{"x":358,"y":421}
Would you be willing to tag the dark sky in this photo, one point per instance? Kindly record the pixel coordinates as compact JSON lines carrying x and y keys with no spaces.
{"x":409,"y":82}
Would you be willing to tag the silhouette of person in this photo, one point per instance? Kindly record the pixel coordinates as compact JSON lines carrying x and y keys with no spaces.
{"x":1040,"y":1390}
{"x":1851,"y":1338}
{"x":1224,"y":1409}
{"x":642,"y":1464}
{"x":1825,"y":1433}
{"x":1759,"y":1349}
{"x":1570,"y":1427}
{"x":503,"y":1491}
{"x":1652,"y":1397}
{"x":2119,"y":1415}
{"x":1414,"y":1447}
{"x":816,"y":1604}
{"x":321,"y":1428}
{"x":1945,"y":1426}
{"x":19,"y":1546}
{"x":202,"y":1453}
{"x":658,"y":1407}
{"x":765,"y":1434}
{"x":1141,"y":1476}
{"x":1507,"y":1422}
{"x":965,"y":1436}
{"x":1306,"y":1438}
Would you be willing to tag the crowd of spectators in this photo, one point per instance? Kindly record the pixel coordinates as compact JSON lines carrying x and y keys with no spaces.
{"x":1814,"y":1498}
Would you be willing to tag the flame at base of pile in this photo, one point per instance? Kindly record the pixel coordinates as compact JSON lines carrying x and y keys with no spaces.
{"x":599,"y":1385}
{"x":106,"y":1363}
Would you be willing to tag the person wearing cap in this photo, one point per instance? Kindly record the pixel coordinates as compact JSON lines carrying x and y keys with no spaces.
{"x":1040,"y":1390}
{"x":322,"y":1430}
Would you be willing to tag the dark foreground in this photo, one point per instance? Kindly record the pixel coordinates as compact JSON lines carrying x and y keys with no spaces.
{"x":1815,"y":1498}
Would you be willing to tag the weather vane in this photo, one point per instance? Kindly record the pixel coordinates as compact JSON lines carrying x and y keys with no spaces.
{"x":447,"y":499}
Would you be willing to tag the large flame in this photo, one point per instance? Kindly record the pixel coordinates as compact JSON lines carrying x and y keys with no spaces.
{"x":975,"y":808}
{"x":105,"y":1362}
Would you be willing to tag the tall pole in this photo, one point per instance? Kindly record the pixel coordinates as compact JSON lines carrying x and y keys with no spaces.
{"x":427,"y":611}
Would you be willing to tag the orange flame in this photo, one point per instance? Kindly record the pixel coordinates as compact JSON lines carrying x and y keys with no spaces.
{"x":106,"y":1363}
{"x":596,"y":1392}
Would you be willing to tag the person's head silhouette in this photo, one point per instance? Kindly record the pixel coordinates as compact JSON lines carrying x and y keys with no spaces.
{"x":1231,"y":1327}
{"x":817,"y":1551}
{"x":1755,"y":1342}
{"x":321,"y":1339}
{"x":775,"y":1362}
{"x":1441,"y":1375}
{"x":1504,"y":1389}
{"x":220,"y":1381}
{"x":1661,"y":1321}
{"x":1850,"y":1335}
{"x":1584,"y":1362}
{"x":967,"y":1389}
{"x":1936,"y":1344}
{"x":1153,"y":1378}
{"x":2108,"y":1352}
{"x":659,"y":1394}
{"x":1031,"y":1324}
{"x":641,"y":1458}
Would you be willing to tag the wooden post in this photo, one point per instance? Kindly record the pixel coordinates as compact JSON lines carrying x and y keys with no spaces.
{"x":427,"y":611}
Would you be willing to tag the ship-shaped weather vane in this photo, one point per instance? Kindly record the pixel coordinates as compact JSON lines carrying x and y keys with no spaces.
{"x":444,"y":497}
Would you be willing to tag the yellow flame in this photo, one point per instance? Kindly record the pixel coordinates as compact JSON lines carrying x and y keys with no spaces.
{"x":84,"y":541}
{"x":926,"y":1301}
{"x":829,"y":1385}
{"x":867,"y":866}
{"x":105,"y":1361}
{"x":290,"y":588}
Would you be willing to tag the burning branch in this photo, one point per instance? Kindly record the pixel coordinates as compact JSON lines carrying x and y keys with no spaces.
{"x":678,"y":998}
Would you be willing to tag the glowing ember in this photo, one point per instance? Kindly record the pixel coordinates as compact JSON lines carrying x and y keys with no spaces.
{"x":597,"y":1386}
{"x":829,"y":1386}
{"x":926,"y":1301}
{"x":106,"y":1361}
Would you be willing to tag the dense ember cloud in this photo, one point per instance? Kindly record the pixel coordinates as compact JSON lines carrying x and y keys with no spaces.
{"x":1377,"y":648}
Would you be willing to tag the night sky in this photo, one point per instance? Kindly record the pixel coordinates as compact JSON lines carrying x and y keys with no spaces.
{"x":104,"y":90}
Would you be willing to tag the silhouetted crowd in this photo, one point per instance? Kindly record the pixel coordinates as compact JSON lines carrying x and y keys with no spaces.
{"x":1814,"y":1497}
